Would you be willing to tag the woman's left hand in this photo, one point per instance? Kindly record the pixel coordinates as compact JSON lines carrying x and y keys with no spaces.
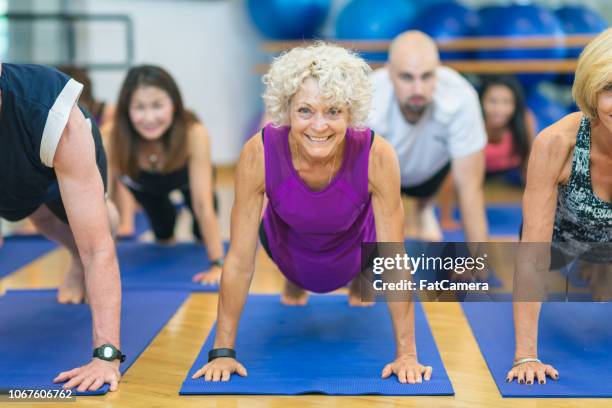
{"x":408,"y":370}
{"x":209,"y":277}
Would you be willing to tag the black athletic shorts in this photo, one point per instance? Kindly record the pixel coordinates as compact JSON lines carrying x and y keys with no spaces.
{"x":429,"y":187}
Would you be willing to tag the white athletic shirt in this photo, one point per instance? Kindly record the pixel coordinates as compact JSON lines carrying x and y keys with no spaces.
{"x":450,"y":127}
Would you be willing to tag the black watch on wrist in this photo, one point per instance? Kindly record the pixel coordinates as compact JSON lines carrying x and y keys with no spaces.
{"x":108,"y":352}
{"x":221,"y":352}
{"x":217,"y":262}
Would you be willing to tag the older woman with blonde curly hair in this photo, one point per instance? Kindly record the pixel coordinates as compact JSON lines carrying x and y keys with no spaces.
{"x":331,"y":184}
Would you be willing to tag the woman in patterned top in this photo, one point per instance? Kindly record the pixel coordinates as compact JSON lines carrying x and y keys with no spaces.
{"x":568,"y":198}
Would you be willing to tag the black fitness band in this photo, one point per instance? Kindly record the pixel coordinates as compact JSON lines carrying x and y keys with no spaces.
{"x":221,"y":352}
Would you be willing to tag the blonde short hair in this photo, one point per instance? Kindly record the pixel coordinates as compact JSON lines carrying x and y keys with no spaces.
{"x":594,"y":73}
{"x":343,"y":78}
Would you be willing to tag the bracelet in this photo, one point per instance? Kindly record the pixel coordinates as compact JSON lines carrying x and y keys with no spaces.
{"x":526,"y":360}
{"x":217,"y":262}
{"x":221,"y":352}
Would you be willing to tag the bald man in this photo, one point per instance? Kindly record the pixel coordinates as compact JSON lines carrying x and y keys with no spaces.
{"x":432,"y":116}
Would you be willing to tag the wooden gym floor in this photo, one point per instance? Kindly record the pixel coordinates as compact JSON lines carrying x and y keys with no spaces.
{"x":155,"y":378}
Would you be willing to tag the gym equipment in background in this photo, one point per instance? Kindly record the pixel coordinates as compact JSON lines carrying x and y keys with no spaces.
{"x":288,"y":19}
{"x":446,"y":21}
{"x":519,"y":21}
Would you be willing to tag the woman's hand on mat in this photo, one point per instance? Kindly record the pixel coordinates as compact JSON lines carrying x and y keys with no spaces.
{"x":92,"y":376}
{"x":408,"y":370}
{"x":220,"y":369}
{"x":527,"y":373}
{"x":209,"y":277}
{"x":126,"y":229}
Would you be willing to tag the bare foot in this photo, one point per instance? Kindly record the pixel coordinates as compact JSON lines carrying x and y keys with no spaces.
{"x":355,"y":298}
{"x":27,"y":228}
{"x":125,"y":230}
{"x":165,"y":242}
{"x":585,"y":272}
{"x":601,"y":283}
{"x":449,"y":224}
{"x":72,"y":290}
{"x":293,"y":295}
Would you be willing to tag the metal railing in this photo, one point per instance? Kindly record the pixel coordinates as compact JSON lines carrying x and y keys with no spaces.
{"x":69,"y":21}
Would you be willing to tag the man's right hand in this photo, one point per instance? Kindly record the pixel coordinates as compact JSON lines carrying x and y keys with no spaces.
{"x":220,"y":369}
{"x":91,"y":376}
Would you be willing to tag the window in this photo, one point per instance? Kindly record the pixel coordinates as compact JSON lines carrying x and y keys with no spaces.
{"x":3,"y":29}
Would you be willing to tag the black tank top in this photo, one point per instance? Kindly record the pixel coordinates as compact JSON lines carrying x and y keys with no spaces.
{"x":158,"y":183}
{"x":583,"y":221}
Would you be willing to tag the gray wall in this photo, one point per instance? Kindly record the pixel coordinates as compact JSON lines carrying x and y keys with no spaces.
{"x":209,"y":46}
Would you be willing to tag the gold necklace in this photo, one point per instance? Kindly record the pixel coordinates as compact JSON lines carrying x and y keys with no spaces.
{"x":153,"y":155}
{"x":154,"y":161}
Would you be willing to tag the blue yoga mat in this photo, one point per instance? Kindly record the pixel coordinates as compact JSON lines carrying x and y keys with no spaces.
{"x":40,"y":338}
{"x":504,"y":220}
{"x":415,"y":248}
{"x":160,"y":267}
{"x":325,"y":347}
{"x":141,"y":225}
{"x":576,"y":338}
{"x":18,"y":251}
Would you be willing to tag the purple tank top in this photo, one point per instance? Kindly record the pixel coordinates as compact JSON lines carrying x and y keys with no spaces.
{"x":315,"y":236}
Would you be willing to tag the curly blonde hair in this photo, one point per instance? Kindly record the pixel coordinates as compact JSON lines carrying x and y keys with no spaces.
{"x":343,"y":78}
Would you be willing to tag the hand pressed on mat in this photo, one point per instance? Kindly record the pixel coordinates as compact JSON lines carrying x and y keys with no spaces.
{"x":209,"y":277}
{"x":526,"y":373}
{"x":408,"y":370}
{"x":220,"y":369}
{"x":92,"y":376}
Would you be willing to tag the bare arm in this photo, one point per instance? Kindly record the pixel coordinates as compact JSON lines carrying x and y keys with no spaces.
{"x":118,"y":192}
{"x":240,"y":262}
{"x":539,"y":206}
{"x":548,"y":167}
{"x":530,"y":124}
{"x":240,"y":265}
{"x":83,"y":197}
{"x":82,"y":193}
{"x":201,"y":185}
{"x":384,"y":180}
{"x":468,"y":174}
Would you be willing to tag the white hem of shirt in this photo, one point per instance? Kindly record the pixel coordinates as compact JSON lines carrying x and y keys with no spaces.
{"x":57,"y":120}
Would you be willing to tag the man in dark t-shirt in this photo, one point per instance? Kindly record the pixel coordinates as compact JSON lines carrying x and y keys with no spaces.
{"x":53,"y":170}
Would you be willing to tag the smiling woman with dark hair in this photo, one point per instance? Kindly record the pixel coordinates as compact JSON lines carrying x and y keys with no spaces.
{"x":509,"y":124}
{"x":157,"y":146}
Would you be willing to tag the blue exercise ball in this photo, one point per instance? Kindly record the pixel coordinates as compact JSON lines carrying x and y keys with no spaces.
{"x":545,"y":110}
{"x":373,"y":20}
{"x":577,"y":19}
{"x":448,"y":20}
{"x":288,"y":19}
{"x":488,"y":12}
{"x":516,"y":21}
